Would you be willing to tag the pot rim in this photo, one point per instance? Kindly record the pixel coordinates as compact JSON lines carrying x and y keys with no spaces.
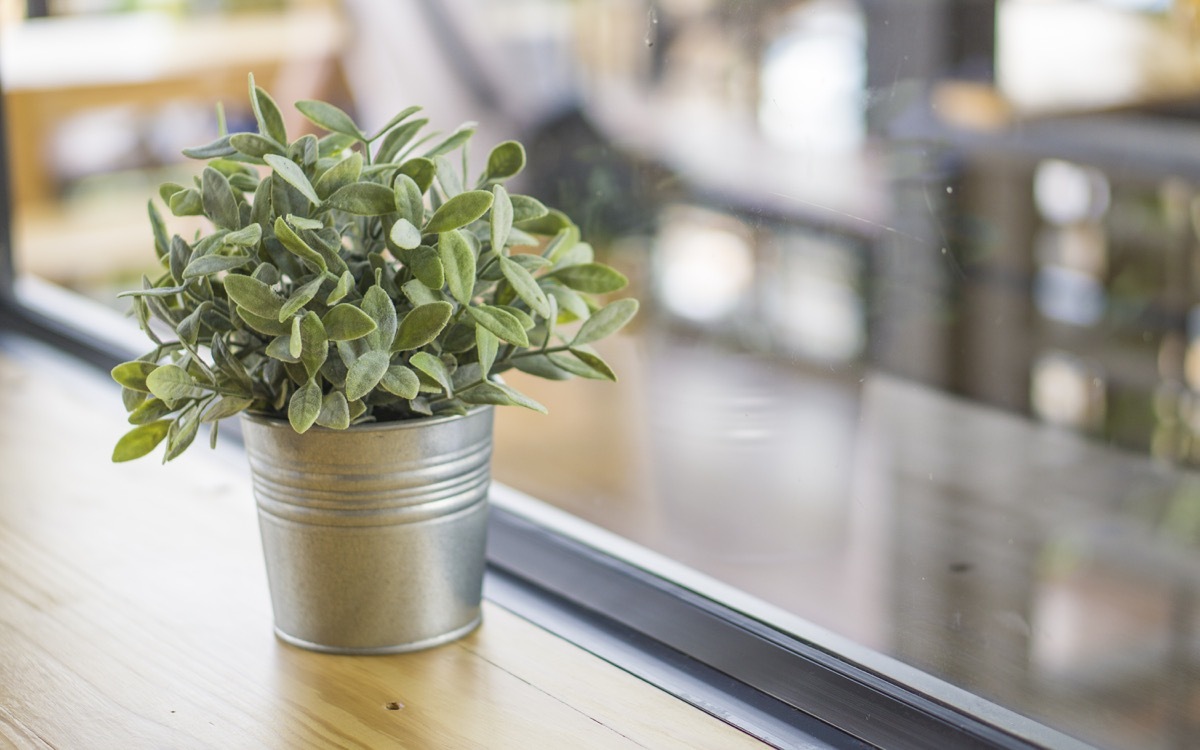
{"x":275,"y":422}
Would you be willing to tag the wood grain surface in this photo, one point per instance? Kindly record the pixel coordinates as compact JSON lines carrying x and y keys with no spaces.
{"x":134,"y":614}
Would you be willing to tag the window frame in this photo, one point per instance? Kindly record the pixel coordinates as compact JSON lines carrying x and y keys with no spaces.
{"x":621,"y":605}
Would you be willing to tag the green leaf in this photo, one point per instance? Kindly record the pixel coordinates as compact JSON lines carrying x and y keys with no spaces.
{"x":314,"y":343}
{"x":363,"y":199}
{"x":300,"y":298}
{"x":150,"y":410}
{"x":300,"y":222}
{"x":548,"y":225}
{"x":525,"y":286}
{"x":606,"y":321}
{"x":409,"y":203}
{"x":500,"y":395}
{"x":159,"y":227}
{"x":401,"y":381}
{"x":397,"y":139}
{"x":295,"y":345}
{"x":421,"y":170}
{"x":210,"y":264}
{"x":562,"y":242}
{"x":140,"y":440}
{"x":253,"y":296}
{"x":267,"y":114}
{"x":366,"y":373}
{"x":421,"y":326}
{"x":426,"y":266}
{"x":305,"y":406}
{"x":419,"y":294}
{"x":502,"y":218}
{"x":335,"y":412}
{"x":288,"y":170}
{"x":590,"y":278}
{"x":527,"y":322}
{"x":256,"y":146}
{"x":541,"y":366}
{"x":500,"y":322}
{"x":329,"y":117}
{"x":405,"y":235}
{"x":434,"y":368}
{"x":247,"y":236}
{"x":506,"y":160}
{"x":214,"y":150}
{"x":264,"y":325}
{"x":346,"y":322}
{"x":225,"y":406}
{"x":172,"y":383}
{"x":133,"y":374}
{"x":579,"y":362}
{"x":379,"y":307}
{"x":448,"y":177}
{"x":280,"y":348}
{"x":334,"y":144}
{"x":581,"y":253}
{"x":294,"y":244}
{"x":455,"y":140}
{"x":218,"y":200}
{"x":459,"y":211}
{"x":344,"y":173}
{"x":573,"y":305}
{"x":458,"y":263}
{"x":487,"y":344}
{"x":344,"y":285}
{"x":181,"y":434}
{"x":187,"y":203}
{"x":396,"y":120}
{"x":526,"y":208}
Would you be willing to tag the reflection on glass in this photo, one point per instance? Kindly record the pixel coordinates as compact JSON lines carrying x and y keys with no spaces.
{"x":919,"y":360}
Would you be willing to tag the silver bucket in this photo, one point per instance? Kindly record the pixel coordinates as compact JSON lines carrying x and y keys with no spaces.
{"x":374,"y":536}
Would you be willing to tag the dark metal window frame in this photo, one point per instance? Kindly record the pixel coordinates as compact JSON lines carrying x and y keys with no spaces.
{"x":789,"y":692}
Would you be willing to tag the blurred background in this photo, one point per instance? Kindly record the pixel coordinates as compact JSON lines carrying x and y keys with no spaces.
{"x":919,"y":357}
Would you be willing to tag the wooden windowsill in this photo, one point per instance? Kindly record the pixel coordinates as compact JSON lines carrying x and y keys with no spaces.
{"x":134,"y":613}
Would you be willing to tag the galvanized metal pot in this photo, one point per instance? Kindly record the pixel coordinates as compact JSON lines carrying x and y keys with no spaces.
{"x":374,"y":536}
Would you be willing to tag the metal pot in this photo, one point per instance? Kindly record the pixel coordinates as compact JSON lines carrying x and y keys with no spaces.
{"x":374,"y":536}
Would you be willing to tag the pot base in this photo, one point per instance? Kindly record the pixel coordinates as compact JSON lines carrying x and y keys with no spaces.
{"x":402,"y":648}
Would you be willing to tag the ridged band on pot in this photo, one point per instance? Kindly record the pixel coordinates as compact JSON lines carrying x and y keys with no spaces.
{"x":374,"y":537}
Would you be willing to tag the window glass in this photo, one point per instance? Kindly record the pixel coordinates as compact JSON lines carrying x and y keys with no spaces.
{"x":919,"y":353}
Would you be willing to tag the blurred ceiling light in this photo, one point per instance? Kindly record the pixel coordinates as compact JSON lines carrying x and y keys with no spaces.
{"x":705,"y":265}
{"x":1061,"y":55}
{"x":814,"y":78}
{"x":1067,"y":193}
{"x":1065,"y":392}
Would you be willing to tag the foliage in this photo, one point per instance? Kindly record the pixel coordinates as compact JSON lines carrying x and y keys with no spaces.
{"x":352,"y":278}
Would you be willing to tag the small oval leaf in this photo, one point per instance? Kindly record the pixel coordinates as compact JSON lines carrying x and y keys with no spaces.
{"x":305,"y":406}
{"x":421,"y":326}
{"x":366,"y":373}
{"x":363,"y":199}
{"x":606,"y":321}
{"x":292,"y":174}
{"x":459,"y":211}
{"x":346,"y":322}
{"x":329,"y":117}
{"x":140,"y":440}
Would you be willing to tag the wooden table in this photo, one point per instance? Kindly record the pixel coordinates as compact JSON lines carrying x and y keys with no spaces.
{"x":134,"y":614}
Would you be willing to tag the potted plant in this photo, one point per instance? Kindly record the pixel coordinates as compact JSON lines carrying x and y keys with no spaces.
{"x":355,"y":300}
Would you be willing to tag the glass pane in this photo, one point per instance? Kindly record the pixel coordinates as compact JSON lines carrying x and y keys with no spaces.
{"x":919,"y":355}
